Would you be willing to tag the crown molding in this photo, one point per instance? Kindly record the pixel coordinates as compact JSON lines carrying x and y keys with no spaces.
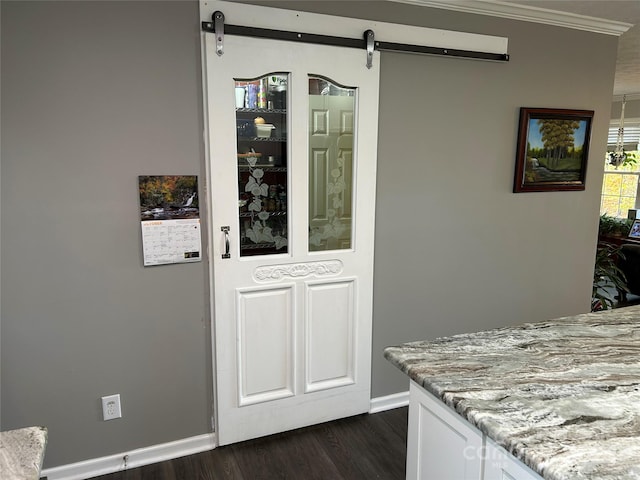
{"x":498,"y":8}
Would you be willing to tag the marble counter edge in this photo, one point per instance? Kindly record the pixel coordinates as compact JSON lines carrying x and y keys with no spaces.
{"x":406,"y":357}
{"x":469,"y":414}
{"x":22,"y":453}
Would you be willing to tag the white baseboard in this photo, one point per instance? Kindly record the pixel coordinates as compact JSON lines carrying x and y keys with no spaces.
{"x":179,"y":448}
{"x":389,"y":402}
{"x":135,"y":458}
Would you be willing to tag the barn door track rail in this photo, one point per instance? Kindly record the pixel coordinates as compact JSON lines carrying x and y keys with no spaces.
{"x":368,"y":42}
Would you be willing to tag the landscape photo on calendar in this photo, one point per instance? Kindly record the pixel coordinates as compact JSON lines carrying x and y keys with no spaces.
{"x":168,"y":197}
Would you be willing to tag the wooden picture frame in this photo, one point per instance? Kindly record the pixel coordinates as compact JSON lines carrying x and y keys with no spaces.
{"x":553,"y":148}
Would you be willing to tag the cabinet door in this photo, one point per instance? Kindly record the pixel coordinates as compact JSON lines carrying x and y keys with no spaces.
{"x":499,"y":465}
{"x":440,"y":444}
{"x":292,"y":228}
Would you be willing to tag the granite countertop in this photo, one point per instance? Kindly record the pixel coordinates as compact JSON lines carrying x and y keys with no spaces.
{"x":21,"y":453}
{"x":562,"y":396}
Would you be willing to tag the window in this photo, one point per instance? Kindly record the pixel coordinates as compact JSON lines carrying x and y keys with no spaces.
{"x":619,"y":188}
{"x":620,"y":184}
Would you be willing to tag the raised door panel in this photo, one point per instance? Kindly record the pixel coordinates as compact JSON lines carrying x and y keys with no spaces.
{"x":330,"y":335}
{"x":265,"y":344}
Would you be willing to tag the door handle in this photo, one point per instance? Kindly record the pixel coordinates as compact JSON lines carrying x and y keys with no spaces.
{"x":226,"y":253}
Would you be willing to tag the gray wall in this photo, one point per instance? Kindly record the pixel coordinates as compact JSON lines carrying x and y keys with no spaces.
{"x":96,"y":93}
{"x":93,"y":95}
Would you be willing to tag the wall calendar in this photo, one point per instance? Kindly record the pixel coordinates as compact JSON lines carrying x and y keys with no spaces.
{"x":169,"y":219}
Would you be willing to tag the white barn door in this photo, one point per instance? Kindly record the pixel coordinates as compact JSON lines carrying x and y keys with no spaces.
{"x":292,"y":229}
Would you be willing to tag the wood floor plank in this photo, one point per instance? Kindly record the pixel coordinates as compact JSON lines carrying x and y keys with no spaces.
{"x":340,"y":450}
{"x":375,"y":452}
{"x":306,"y":458}
{"x":256,"y":459}
{"x":397,"y":420}
{"x":392,"y":447}
{"x":294,"y":455}
{"x":198,"y":467}
{"x":364,"y":447}
{"x":158,"y":471}
{"x":184,"y":467}
{"x":219,"y":466}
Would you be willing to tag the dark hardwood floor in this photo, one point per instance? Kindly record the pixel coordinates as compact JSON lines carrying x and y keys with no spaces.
{"x":362,"y":447}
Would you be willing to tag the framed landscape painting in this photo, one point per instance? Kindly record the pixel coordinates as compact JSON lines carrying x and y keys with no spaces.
{"x":553,"y":147}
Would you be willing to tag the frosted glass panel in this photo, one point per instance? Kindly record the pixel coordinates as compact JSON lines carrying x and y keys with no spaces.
{"x":262,"y":150}
{"x":331,"y":153}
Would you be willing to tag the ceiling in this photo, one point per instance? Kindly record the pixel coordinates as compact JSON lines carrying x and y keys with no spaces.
{"x":627,"y":80}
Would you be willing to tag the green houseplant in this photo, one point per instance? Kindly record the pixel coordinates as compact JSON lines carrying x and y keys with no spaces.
{"x":610,"y":226}
{"x":607,"y":277}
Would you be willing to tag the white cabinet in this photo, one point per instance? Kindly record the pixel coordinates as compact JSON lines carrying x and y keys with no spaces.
{"x":499,"y":465}
{"x":443,"y":445}
{"x":440,"y":443}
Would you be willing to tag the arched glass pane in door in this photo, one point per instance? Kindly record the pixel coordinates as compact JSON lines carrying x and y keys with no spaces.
{"x":261,"y":131}
{"x":331,"y":154}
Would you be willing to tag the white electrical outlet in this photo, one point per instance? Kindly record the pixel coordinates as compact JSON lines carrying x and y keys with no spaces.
{"x":111,"y":407}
